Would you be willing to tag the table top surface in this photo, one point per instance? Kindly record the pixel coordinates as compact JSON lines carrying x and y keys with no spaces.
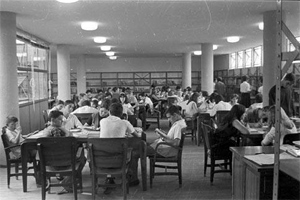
{"x":291,"y":167}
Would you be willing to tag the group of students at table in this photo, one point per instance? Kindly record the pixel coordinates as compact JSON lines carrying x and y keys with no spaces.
{"x":112,"y":126}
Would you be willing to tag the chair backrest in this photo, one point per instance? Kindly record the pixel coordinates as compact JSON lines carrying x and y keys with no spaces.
{"x":220,"y":116}
{"x":289,"y":138}
{"x":183,"y":130}
{"x":57,"y":151}
{"x":207,"y":131}
{"x":109,"y":153}
{"x":83,"y":117}
{"x":4,"y":137}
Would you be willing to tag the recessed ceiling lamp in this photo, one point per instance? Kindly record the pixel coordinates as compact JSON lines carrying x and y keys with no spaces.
{"x":197,"y":53}
{"x":233,"y":39}
{"x":215,"y":47}
{"x":67,"y":1}
{"x":261,"y":26}
{"x":99,"y":39}
{"x":21,"y":54}
{"x":19,"y":42}
{"x":105,"y":48}
{"x":89,"y":26}
{"x":113,"y":57}
{"x":110,"y":53}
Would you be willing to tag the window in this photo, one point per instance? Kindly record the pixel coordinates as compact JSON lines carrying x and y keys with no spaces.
{"x":257,"y":56}
{"x":232,"y":60}
{"x":248,"y":58}
{"x":240,"y":59}
{"x":32,"y":60}
{"x":251,"y":57}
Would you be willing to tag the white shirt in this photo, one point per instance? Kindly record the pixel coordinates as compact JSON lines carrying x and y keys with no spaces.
{"x":191,"y":109}
{"x":245,"y":87}
{"x":147,"y":101}
{"x":260,"y":89}
{"x":71,"y":122}
{"x":220,"y":106}
{"x":270,"y":136}
{"x":114,"y":127}
{"x":85,"y":109}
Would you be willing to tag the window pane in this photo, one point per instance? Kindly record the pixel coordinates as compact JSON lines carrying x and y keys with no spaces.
{"x":257,"y":56}
{"x":240,"y":57}
{"x":248,"y":58}
{"x":232,"y":60}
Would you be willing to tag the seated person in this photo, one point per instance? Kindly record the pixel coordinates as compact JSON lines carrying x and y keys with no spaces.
{"x":115,"y":127}
{"x":95,"y":118}
{"x":231,"y":126}
{"x":145,"y":105}
{"x":234,"y":99}
{"x":94,"y":103}
{"x":173,"y":136}
{"x":70,"y":120}
{"x":287,"y":126}
{"x":220,"y":105}
{"x":183,"y":104}
{"x":254,"y":117}
{"x":85,"y":108}
{"x":13,"y":133}
{"x":204,"y":102}
{"x":127,"y":108}
{"x":57,"y":106}
{"x":57,"y":130}
{"x":191,"y":106}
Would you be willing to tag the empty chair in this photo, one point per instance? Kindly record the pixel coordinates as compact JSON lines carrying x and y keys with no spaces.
{"x":10,"y":161}
{"x":172,"y":163}
{"x":58,"y":157}
{"x":191,"y":123}
{"x":109,"y":158}
{"x":215,"y":155}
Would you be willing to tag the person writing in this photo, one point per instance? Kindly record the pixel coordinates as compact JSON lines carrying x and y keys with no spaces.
{"x":287,"y":126}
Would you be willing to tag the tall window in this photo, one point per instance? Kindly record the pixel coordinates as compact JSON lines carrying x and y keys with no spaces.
{"x":248,"y":58}
{"x":240,"y":59}
{"x":232,"y":61}
{"x":32,"y":60}
{"x":257,"y":56}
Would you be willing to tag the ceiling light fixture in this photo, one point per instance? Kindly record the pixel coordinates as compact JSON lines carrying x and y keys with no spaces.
{"x":233,"y":39}
{"x":110,"y":53}
{"x":197,"y":53}
{"x":99,"y":39}
{"x":89,"y":26}
{"x":261,"y":26}
{"x":215,"y":47}
{"x":105,"y":48}
{"x":19,"y":42}
{"x":113,"y":57}
{"x":67,"y":1}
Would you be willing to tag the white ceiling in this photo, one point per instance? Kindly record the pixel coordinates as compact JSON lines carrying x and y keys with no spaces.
{"x":149,"y":28}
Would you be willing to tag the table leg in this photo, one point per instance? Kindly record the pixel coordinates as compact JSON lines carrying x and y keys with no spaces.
{"x":143,"y":156}
{"x":24,"y":166}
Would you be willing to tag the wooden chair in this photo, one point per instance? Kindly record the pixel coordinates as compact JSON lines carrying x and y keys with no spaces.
{"x":154,"y":117}
{"x":16,"y":162}
{"x":220,"y":116}
{"x":83,"y":117}
{"x":109,"y":158}
{"x":191,"y":128}
{"x":173,"y":163}
{"x":58,"y":156}
{"x":289,"y":138}
{"x":206,"y":119}
{"x":211,"y":151}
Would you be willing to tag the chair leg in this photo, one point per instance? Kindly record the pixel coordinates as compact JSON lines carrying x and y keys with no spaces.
{"x":8,"y":174}
{"x":151,"y":172}
{"x":212,"y":171}
{"x":44,"y":180}
{"x":124,"y":186}
{"x":205,"y":162}
{"x":179,"y":173}
{"x":94,"y":179}
{"x":16,"y":170}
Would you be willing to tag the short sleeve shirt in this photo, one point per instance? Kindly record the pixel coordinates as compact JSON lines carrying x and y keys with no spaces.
{"x":114,"y":127}
{"x":245,"y":87}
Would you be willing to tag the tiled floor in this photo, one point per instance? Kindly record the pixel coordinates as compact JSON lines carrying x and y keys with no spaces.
{"x":195,"y":185}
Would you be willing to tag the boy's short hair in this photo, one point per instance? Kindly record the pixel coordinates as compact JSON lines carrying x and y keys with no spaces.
{"x":116,"y":109}
{"x":10,"y":119}
{"x":86,"y":103}
{"x":290,"y":77}
{"x":68,"y":102}
{"x":55,"y":114}
{"x":173,"y":110}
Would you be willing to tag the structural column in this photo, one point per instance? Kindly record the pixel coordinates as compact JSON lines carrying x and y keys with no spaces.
{"x":81,"y":75}
{"x":207,"y":67}
{"x":187,"y":70}
{"x":269,"y":53}
{"x":63,"y":72}
{"x":8,"y":72}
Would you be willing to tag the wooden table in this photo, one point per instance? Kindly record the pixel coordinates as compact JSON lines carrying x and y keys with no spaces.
{"x":291,"y":167}
{"x":250,"y":180}
{"x":138,"y":144}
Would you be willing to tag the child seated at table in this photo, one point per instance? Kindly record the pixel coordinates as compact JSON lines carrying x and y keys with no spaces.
{"x":255,"y":117}
{"x":13,"y":133}
{"x":287,"y":126}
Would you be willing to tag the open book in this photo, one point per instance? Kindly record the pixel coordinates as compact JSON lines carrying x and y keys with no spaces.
{"x":294,"y":152}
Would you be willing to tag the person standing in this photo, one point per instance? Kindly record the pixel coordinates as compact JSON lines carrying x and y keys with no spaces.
{"x":220,"y":87}
{"x":245,"y":90}
{"x":286,"y":99}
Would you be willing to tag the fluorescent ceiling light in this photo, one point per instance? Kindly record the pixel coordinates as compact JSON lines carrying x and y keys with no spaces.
{"x":99,"y":39}
{"x":21,"y":54}
{"x":67,"y":1}
{"x":261,"y":26}
{"x":89,"y":26}
{"x":233,"y":39}
{"x":197,"y":53}
{"x":113,"y":57}
{"x":296,"y":61}
{"x":19,"y":42}
{"x":105,"y":48}
{"x":36,"y":58}
{"x":215,"y":47}
{"x":110,"y":53}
